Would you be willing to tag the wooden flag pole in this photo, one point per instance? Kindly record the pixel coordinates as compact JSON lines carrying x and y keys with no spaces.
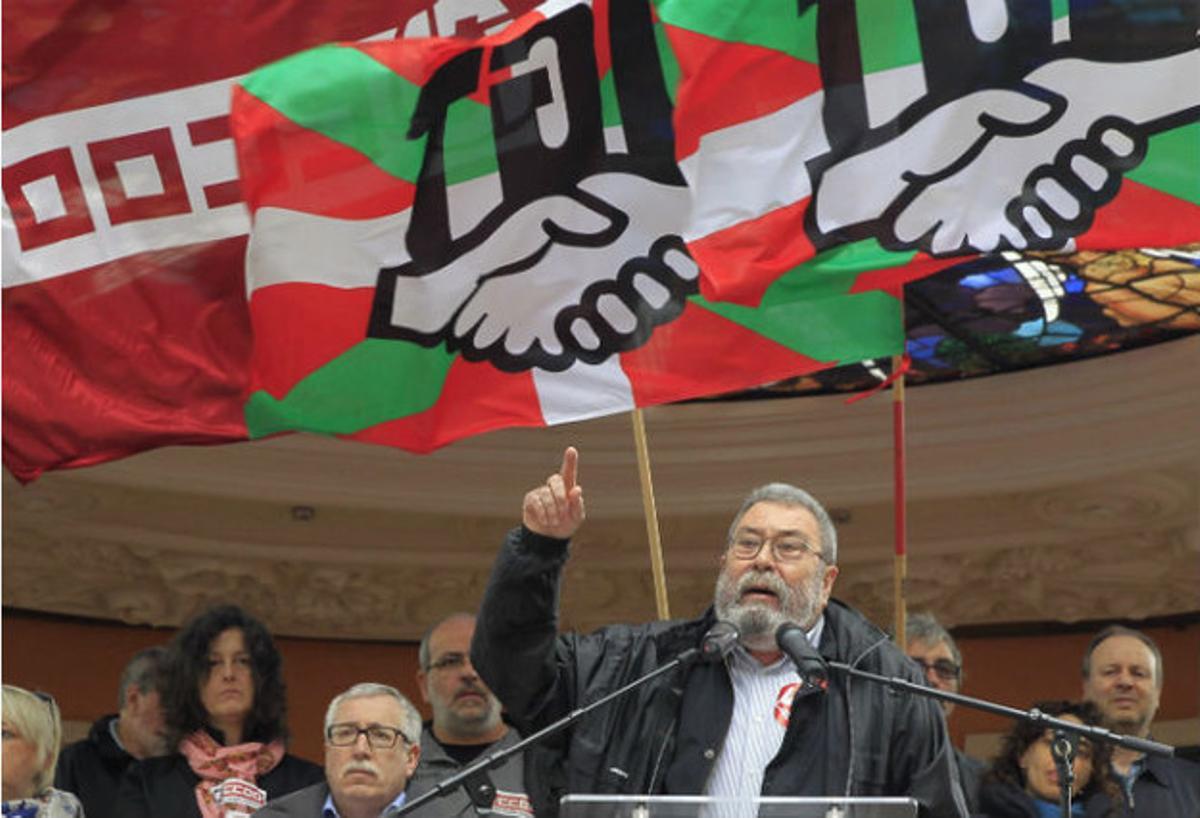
{"x":656,"y":556}
{"x":900,"y":573}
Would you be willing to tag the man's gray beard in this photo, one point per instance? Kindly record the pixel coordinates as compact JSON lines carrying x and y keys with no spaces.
{"x":756,"y":622}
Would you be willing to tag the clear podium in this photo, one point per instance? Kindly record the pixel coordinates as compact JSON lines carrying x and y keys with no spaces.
{"x":694,"y":806}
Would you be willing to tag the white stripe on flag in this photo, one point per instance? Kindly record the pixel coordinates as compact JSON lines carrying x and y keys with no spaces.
{"x":129,"y":128}
{"x":294,"y":246}
{"x":743,"y":171}
{"x":289,"y":246}
{"x":584,"y":391}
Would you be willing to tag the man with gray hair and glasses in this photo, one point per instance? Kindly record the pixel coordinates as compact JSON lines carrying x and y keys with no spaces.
{"x":92,"y":768}
{"x":932,"y":647}
{"x":372,"y":745}
{"x":753,"y":724}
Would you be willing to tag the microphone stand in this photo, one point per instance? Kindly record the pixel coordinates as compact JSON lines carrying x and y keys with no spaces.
{"x":474,"y":777}
{"x":1062,"y":748}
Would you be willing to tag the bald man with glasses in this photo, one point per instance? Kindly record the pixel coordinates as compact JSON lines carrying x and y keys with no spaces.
{"x":466,"y":726}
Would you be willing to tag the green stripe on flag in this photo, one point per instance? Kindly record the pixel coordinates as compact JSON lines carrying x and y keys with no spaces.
{"x":810,"y":309}
{"x":469,"y":145}
{"x":1171,"y":162}
{"x":610,"y":108}
{"x":887,"y":35}
{"x":846,"y":328}
{"x":666,"y":57}
{"x":772,"y":24}
{"x":834,"y":272}
{"x":373,"y":382}
{"x":347,"y":96}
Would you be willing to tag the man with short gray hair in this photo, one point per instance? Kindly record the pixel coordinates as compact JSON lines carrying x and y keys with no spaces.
{"x":753,"y":724}
{"x":372,"y":735}
{"x":932,"y":647}
{"x":93,"y":767}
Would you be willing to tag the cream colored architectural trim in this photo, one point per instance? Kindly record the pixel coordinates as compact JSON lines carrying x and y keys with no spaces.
{"x":1063,"y":493}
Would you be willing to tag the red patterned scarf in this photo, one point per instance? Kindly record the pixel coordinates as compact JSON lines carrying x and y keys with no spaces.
{"x":215,"y":763}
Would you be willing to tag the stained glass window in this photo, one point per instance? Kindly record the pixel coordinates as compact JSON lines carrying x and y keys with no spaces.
{"x":1014,"y":311}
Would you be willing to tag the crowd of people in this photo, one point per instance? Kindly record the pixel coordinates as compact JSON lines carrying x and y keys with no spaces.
{"x":201,"y":724}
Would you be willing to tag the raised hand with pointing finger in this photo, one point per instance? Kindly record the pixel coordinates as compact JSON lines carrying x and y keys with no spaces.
{"x":546,"y":673}
{"x":555,"y":509}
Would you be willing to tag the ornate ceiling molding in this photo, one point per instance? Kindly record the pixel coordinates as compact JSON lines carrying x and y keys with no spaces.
{"x":1062,"y":493}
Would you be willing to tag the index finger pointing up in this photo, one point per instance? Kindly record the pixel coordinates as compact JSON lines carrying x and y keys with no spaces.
{"x":570,"y":468}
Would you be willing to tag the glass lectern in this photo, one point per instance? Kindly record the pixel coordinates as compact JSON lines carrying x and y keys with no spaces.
{"x":686,"y":806}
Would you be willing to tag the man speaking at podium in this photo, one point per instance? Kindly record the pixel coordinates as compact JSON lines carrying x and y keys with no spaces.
{"x":749,"y":723}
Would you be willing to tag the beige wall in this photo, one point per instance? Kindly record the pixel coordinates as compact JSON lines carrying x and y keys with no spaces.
{"x":79,"y":663}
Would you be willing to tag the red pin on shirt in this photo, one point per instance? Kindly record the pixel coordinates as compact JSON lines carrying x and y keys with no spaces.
{"x":783,"y":703}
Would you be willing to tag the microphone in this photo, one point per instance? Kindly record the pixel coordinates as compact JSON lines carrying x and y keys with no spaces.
{"x":792,"y":640}
{"x":718,"y":642}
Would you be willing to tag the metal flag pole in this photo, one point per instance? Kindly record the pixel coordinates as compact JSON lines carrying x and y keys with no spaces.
{"x":656,"y":555}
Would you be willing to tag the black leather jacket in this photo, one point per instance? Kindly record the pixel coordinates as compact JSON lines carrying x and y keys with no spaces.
{"x":664,"y":738}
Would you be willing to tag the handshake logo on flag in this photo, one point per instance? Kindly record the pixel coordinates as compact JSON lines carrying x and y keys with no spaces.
{"x":581,"y":254}
{"x":612,"y":279}
{"x":574,"y":250}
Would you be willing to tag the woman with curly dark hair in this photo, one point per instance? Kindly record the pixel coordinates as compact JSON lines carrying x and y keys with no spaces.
{"x":226,"y":713}
{"x":1022,"y":781}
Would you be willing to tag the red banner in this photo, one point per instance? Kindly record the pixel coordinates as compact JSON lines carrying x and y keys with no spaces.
{"x":125,"y":323}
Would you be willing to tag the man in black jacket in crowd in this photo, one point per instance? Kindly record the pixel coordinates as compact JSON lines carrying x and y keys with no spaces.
{"x":92,"y":768}
{"x":748,"y":726}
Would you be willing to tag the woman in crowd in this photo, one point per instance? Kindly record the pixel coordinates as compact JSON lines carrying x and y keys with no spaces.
{"x":1023,"y":779}
{"x":32,"y":734}
{"x":225,"y":710}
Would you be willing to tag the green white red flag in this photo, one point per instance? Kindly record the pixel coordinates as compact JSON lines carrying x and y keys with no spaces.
{"x":735,"y":191}
{"x":452,"y":235}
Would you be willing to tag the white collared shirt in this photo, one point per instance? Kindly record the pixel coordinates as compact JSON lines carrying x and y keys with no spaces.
{"x":762,"y":705}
